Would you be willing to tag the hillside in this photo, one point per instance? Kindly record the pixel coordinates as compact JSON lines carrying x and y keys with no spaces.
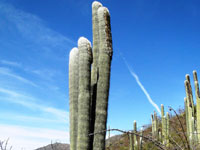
{"x":55,"y":146}
{"x":121,"y":141}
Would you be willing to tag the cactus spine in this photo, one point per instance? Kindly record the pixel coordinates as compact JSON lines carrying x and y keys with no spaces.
{"x":73,"y":96}
{"x":104,"y":62}
{"x":84,"y":97}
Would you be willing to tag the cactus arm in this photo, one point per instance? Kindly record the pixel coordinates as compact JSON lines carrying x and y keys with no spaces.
{"x":84,"y":97}
{"x":104,"y":64}
{"x":73,"y":97}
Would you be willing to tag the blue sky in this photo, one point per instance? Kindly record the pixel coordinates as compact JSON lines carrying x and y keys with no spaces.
{"x":158,"y":39}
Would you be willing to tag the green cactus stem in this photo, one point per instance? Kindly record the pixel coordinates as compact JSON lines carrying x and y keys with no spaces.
{"x":94,"y":72}
{"x":141,"y":139}
{"x":186,"y":116}
{"x":197,"y":95}
{"x":167,"y":130}
{"x":190,"y":110}
{"x":104,"y":66}
{"x":84,"y":97}
{"x":153,"y":126}
{"x":160,"y":136}
{"x":73,"y":97}
{"x":163,"y":122}
{"x":156,"y":125}
{"x":134,"y":136}
{"x":190,"y":93}
{"x":130,"y":141}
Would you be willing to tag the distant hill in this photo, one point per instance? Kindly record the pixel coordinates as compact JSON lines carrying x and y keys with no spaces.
{"x":121,"y":141}
{"x":55,"y":146}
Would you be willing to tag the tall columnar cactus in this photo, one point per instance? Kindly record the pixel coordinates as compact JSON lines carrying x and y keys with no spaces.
{"x":167,"y":130}
{"x":186,"y":116}
{"x":163,"y":124}
{"x":84,"y":96}
{"x":104,"y":64}
{"x":154,"y":125}
{"x":135,"y":137}
{"x":141,"y":139}
{"x":89,"y":90}
{"x":197,"y":95}
{"x":94,"y":73}
{"x":190,"y":110}
{"x":131,"y":142}
{"x":192,"y":114}
{"x":73,"y":96}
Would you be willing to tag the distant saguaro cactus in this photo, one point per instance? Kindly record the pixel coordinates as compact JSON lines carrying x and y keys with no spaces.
{"x":73,"y":97}
{"x":84,"y":97}
{"x":134,"y":136}
{"x":192,"y":113}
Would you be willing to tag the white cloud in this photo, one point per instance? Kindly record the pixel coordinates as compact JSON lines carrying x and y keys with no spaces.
{"x":31,"y":138}
{"x":33,"y":104}
{"x":8,"y":72}
{"x":32,"y":27}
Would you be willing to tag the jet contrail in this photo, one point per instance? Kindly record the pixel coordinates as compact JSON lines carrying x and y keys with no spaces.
{"x":140,"y":84}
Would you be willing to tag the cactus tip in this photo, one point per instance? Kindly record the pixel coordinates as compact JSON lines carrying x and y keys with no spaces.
{"x":96,"y":4}
{"x":73,"y":52}
{"x":194,"y":71}
{"x":185,"y":99}
{"x":103,"y":10}
{"x":187,"y":77}
{"x":83,"y":41}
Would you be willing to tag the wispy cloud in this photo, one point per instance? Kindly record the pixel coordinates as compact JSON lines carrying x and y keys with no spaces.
{"x":31,"y":138}
{"x":140,"y":85}
{"x":8,"y":72}
{"x":10,"y":63}
{"x":32,"y":26}
{"x":33,"y":104}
